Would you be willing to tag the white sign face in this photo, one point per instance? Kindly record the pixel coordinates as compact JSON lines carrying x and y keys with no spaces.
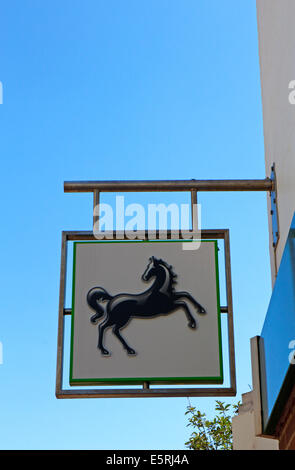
{"x":145,"y":311}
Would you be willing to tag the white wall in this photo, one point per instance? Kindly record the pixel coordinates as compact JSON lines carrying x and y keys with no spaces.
{"x":276,"y":30}
{"x":244,"y":437}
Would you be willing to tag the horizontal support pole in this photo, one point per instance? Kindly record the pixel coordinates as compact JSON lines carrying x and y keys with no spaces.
{"x":169,"y":185}
{"x":147,"y":235}
{"x":147,"y":392}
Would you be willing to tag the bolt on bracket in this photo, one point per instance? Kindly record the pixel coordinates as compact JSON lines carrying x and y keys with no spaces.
{"x":274,"y":209}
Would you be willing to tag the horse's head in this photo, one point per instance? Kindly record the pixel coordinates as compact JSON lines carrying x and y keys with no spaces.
{"x":151,"y":269}
{"x":163,"y":271}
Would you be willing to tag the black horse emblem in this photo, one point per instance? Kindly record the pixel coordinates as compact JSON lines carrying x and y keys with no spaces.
{"x":159,"y":299}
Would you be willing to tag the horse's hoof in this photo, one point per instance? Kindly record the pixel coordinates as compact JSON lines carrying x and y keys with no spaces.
{"x":202,"y":310}
{"x":192,"y":325}
{"x":131,"y":352}
{"x":105,"y":352}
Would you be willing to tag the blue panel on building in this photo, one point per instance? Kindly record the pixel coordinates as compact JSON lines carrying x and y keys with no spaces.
{"x":277,"y":334}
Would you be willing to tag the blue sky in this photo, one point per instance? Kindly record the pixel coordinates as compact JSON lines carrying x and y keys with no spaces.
{"x":118,"y":90}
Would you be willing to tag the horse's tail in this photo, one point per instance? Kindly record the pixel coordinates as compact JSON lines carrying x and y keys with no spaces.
{"x":94,"y":296}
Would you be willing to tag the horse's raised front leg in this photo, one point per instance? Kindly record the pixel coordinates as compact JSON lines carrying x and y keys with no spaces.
{"x":116,"y":331}
{"x":187,"y":295}
{"x":95,"y":317}
{"x":191,"y":321}
{"x":101,"y":330}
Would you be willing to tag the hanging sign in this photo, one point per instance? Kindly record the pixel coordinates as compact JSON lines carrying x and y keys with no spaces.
{"x":145,"y":311}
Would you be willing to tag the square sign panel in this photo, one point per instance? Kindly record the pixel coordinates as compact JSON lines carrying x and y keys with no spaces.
{"x":145,"y":311}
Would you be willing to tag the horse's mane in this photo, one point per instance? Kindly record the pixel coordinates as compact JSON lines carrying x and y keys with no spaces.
{"x":173,"y":276}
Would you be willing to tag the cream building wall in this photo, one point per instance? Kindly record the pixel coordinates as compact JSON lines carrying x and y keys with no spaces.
{"x":276,"y":34}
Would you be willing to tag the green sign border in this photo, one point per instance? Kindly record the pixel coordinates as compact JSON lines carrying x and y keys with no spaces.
{"x":153,"y":380}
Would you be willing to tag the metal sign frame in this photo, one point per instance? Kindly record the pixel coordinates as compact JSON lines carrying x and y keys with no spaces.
{"x":146,"y":390}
